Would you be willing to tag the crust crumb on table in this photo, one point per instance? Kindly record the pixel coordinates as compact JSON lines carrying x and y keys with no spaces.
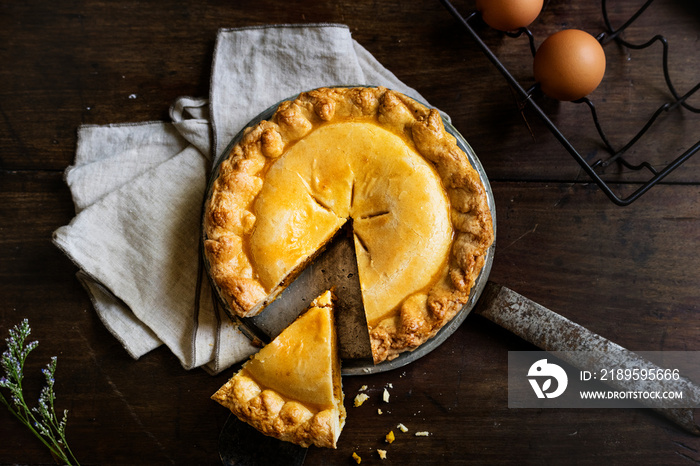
{"x":385,"y":396}
{"x":360,"y":399}
{"x":390,"y":437}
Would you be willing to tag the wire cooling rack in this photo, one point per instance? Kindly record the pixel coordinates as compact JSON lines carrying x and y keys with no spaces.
{"x":616,"y":154}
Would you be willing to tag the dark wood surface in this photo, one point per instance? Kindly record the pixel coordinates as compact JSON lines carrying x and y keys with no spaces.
{"x":631,"y":274}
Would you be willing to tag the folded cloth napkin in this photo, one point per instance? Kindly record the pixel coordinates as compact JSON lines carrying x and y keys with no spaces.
{"x":138,"y":189}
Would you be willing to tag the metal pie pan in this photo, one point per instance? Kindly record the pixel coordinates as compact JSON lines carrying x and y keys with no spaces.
{"x":358,"y":366}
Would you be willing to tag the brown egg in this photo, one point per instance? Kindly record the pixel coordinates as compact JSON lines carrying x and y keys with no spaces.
{"x":508,"y":15}
{"x":569,"y":64}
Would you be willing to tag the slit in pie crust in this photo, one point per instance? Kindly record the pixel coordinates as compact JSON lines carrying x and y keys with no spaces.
{"x":371,"y":156}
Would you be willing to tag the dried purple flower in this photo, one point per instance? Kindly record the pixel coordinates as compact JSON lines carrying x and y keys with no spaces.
{"x":47,"y":428}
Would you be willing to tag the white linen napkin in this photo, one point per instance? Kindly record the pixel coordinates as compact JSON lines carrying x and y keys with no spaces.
{"x":138,"y":188}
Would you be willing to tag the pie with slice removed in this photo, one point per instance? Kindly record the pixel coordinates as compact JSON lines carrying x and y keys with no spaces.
{"x":368,"y":158}
{"x":291,"y":389}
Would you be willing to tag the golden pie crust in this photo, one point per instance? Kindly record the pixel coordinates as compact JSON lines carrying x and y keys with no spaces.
{"x":291,"y":389}
{"x":371,"y":156}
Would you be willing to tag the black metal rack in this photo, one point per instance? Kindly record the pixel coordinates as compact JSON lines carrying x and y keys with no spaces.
{"x":616,"y":154}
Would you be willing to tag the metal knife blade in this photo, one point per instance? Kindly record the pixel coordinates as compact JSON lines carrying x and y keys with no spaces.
{"x":584,"y":349}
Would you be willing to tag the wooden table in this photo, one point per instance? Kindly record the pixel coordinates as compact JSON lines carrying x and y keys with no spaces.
{"x":631,"y":274}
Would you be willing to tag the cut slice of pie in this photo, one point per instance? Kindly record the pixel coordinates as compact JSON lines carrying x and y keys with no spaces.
{"x":291,"y":389}
{"x":370,"y":156}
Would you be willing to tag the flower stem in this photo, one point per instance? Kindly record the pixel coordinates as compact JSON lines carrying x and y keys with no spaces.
{"x":24,"y":421}
{"x":47,"y":428}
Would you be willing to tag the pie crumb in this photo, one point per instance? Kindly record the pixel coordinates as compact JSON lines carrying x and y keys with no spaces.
{"x":380,"y":412}
{"x":385,"y":396}
{"x":390,"y":437}
{"x":382,"y":454}
{"x":422,"y":434}
{"x":359,"y":399}
{"x":363,"y":388}
{"x":356,"y":457}
{"x":402,"y":428}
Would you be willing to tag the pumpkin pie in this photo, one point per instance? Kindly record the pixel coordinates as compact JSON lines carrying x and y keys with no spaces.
{"x":369,"y":158}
